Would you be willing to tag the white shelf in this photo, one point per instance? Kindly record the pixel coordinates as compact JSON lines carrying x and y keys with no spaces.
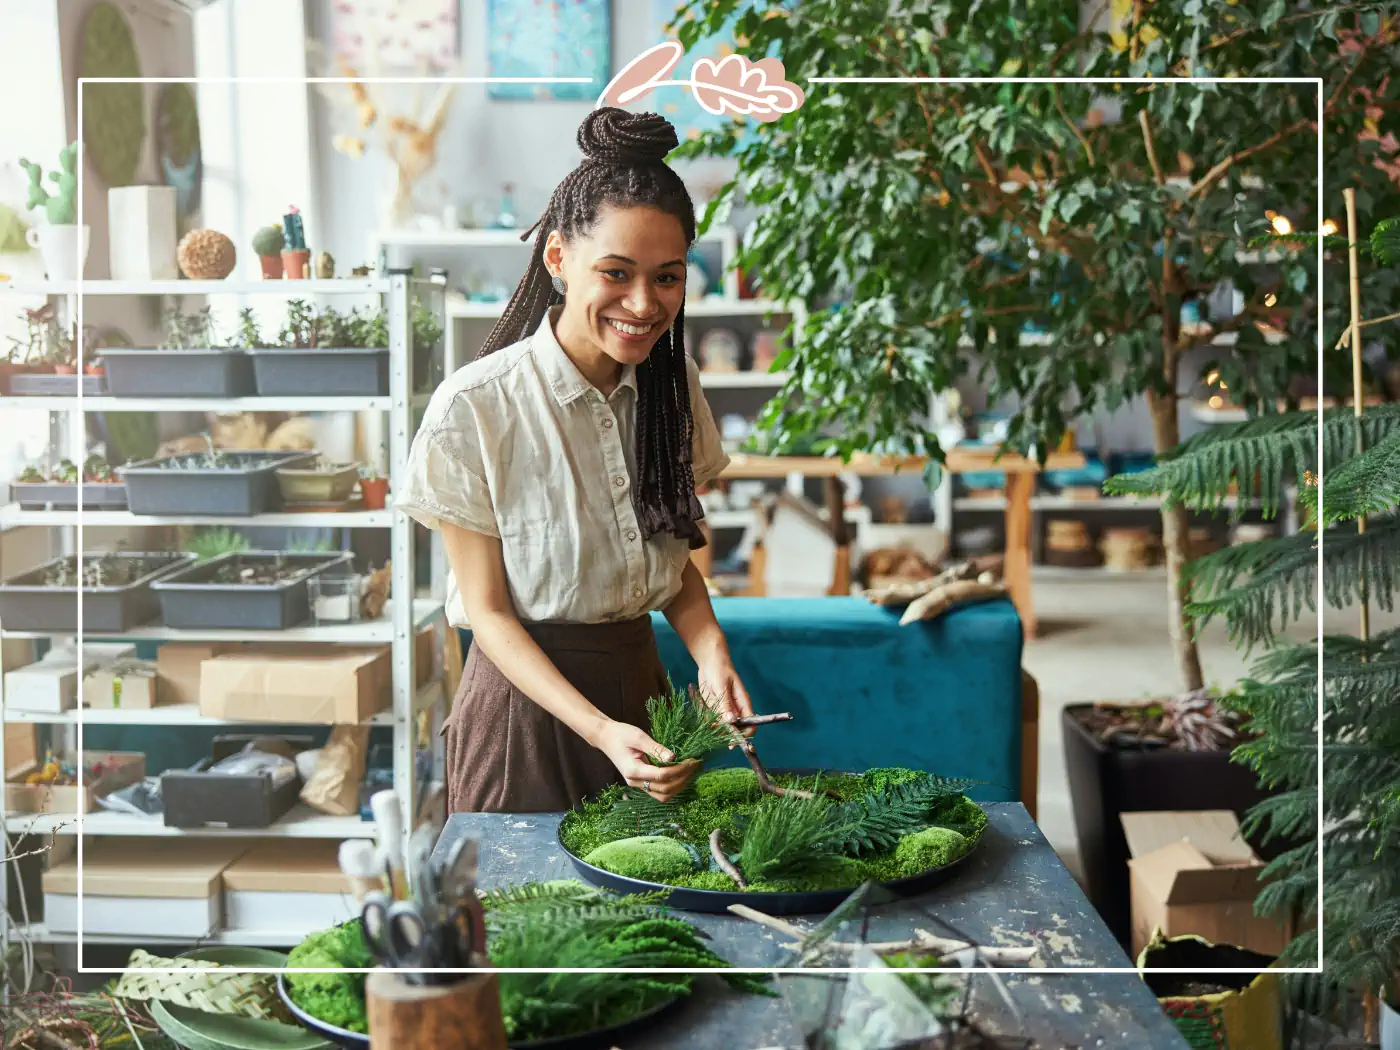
{"x":482,"y":238}
{"x":301,"y":822}
{"x":228,"y":286}
{"x":199,"y":404}
{"x":375,"y":631}
{"x":1102,"y":503}
{"x":38,"y":933}
{"x":11,"y":516}
{"x":743,"y":380}
{"x":1205,"y":414}
{"x":741,"y":519}
{"x":188,"y":714}
{"x":722,"y":306}
{"x":460,"y":307}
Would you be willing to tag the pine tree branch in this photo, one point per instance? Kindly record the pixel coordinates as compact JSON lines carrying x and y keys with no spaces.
{"x":1364,"y":485}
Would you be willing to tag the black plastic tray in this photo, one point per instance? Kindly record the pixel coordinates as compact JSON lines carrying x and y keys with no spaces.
{"x":52,"y":384}
{"x":27,"y":605}
{"x":804,"y":902}
{"x":188,"y":603}
{"x":63,"y":495}
{"x":154,"y":490}
{"x":217,"y":372}
{"x":329,"y":372}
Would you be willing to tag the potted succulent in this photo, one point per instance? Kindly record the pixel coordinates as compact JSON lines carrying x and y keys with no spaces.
{"x":374,"y":489}
{"x":63,"y":243}
{"x":268,"y":242}
{"x":296,"y":257}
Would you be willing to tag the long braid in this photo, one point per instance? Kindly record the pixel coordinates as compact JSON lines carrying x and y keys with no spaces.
{"x":624,"y":165}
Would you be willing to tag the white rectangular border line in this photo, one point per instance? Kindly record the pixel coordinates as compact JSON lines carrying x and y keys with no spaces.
{"x":1317,"y":81}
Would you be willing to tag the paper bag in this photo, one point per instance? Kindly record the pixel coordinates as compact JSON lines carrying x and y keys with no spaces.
{"x":334,"y":787}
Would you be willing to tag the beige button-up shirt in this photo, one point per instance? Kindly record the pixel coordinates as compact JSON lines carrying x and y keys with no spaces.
{"x":519,"y":445}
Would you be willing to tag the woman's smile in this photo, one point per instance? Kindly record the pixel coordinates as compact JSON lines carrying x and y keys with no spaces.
{"x":632,"y":331}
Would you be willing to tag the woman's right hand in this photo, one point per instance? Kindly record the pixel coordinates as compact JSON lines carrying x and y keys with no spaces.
{"x":628,"y":748}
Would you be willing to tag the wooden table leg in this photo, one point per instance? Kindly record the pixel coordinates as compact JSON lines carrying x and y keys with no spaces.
{"x":1016,"y":569}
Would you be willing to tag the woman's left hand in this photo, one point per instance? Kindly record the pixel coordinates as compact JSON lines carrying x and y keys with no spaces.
{"x":720,"y":688}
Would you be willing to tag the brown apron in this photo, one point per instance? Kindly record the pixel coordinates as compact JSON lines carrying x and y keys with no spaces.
{"x":507,"y":754}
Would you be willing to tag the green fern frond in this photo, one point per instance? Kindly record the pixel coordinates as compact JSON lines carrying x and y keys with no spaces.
{"x":530,"y":893}
{"x":1260,"y":455}
{"x":875,"y":822}
{"x":1259,"y":588}
{"x":637,"y":813}
{"x":686,"y":726}
{"x":1364,"y":485}
{"x":1385,"y":241}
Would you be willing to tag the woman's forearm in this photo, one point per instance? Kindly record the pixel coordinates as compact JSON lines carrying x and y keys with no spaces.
{"x":693,"y":618}
{"x":519,"y":657}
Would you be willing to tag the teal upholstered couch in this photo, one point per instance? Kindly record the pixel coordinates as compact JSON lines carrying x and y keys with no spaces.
{"x":945,"y":696}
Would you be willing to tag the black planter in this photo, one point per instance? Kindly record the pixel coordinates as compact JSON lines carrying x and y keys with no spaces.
{"x":1105,"y":782}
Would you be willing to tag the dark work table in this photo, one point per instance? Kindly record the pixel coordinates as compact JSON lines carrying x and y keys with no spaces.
{"x":1012,"y":891}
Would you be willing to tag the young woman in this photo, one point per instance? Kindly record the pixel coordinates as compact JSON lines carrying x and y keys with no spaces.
{"x":561,"y":468}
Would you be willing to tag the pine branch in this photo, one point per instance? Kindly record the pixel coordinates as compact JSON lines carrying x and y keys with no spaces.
{"x":1259,"y":588}
{"x":1260,"y":455}
{"x":785,"y":836}
{"x":1364,"y":485}
{"x":685,"y":725}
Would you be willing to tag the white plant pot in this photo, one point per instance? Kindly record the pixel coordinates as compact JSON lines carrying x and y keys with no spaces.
{"x":142,"y":233}
{"x":1390,"y":1027}
{"x":64,"y":249}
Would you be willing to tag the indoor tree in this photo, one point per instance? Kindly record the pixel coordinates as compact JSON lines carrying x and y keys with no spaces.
{"x":1259,"y":590}
{"x":925,"y":226}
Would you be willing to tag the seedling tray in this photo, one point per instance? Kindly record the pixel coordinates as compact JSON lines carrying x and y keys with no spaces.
{"x":153,"y":489}
{"x":52,"y":384}
{"x":201,"y":372}
{"x":26,"y":604}
{"x":192,"y":599}
{"x":329,"y":372}
{"x":803,"y":902}
{"x":63,"y":495}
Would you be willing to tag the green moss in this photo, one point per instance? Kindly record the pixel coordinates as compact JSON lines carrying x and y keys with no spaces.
{"x":930,"y":848}
{"x":727,"y":787}
{"x":655,"y":858}
{"x":579,"y":829}
{"x":888,"y":777}
{"x":705,"y":880}
{"x":967,"y":815}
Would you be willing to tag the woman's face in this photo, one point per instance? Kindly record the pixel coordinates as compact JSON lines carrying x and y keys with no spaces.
{"x":626,"y":280}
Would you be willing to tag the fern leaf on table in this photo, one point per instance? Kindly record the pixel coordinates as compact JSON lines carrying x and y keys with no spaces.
{"x":875,"y":822}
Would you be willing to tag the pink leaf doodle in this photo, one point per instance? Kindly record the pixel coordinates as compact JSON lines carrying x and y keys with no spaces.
{"x":642,"y":74}
{"x":759,"y":90}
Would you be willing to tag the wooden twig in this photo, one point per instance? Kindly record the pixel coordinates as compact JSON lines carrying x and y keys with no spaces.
{"x":1083,"y":141}
{"x":1210,"y":178}
{"x":1157,"y":175}
{"x":762,"y":720}
{"x":1346,"y":332}
{"x":725,"y":864}
{"x":765,"y":782}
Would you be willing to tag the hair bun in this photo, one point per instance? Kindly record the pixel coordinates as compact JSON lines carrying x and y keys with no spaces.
{"x":616,"y":136}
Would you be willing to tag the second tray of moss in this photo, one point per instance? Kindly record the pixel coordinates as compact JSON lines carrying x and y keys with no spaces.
{"x":904,"y":829}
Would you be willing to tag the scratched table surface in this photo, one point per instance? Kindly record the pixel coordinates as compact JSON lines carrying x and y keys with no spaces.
{"x":1012,"y":891}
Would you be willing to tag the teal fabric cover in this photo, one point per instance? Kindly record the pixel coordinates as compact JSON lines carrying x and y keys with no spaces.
{"x":943,"y":696}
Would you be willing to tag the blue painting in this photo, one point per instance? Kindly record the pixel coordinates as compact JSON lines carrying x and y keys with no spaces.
{"x":549,"y":38}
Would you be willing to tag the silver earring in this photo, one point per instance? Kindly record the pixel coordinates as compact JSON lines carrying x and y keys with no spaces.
{"x":559,"y":285}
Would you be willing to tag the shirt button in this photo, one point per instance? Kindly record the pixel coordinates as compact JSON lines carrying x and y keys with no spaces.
{"x":607,"y":423}
{"x":631,"y":534}
{"x":619,"y":481}
{"x":636,"y":592}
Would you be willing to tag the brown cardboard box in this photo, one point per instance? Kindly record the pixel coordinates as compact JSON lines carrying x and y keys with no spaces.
{"x":125,"y":768}
{"x":339,"y":686}
{"x":177,"y":665}
{"x":127,"y":685}
{"x":21,"y":748}
{"x":289,"y":866}
{"x":1193,"y":873}
{"x":189,"y":868}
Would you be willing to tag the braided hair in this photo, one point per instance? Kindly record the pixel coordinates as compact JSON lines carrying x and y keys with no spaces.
{"x":624,"y":165}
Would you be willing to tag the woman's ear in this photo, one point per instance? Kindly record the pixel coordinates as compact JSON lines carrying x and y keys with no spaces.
{"x":554,"y":254}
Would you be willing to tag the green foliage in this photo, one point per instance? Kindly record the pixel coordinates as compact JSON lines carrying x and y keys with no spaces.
{"x":114,"y":115}
{"x":654,"y":858}
{"x":1363,"y":485}
{"x":211,"y":542}
{"x":686,"y":726}
{"x":931,"y":848}
{"x":875,"y":822}
{"x":427,"y":332}
{"x":268,"y":240}
{"x":786,"y":836}
{"x":60,"y":207}
{"x":336,"y":998}
{"x":727,"y":786}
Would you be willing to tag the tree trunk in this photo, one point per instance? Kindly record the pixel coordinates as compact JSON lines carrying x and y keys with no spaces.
{"x":1175,"y":535}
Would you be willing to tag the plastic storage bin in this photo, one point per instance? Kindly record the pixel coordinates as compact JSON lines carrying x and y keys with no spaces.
{"x":193,"y":599}
{"x":294,"y":371}
{"x":218,"y":372}
{"x":63,"y":495}
{"x":26,"y":604}
{"x":247,"y":490}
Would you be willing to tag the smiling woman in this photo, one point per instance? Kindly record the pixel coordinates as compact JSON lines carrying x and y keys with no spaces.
{"x":561,"y":467}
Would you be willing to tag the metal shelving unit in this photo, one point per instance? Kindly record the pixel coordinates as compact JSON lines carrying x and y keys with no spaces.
{"x":398,"y":627}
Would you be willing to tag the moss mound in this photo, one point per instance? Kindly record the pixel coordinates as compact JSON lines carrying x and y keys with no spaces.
{"x":724,"y":798}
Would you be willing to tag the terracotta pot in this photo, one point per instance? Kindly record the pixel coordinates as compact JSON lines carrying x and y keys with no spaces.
{"x":271,"y":267}
{"x":7,"y":369}
{"x":95,"y":370}
{"x":296,"y":265}
{"x":66,"y":370}
{"x":375,"y":492}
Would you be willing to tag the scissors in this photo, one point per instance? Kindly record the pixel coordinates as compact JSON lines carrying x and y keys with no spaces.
{"x":457,"y":890}
{"x":396,"y":933}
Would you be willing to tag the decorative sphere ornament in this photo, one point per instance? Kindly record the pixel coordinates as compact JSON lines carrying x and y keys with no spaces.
{"x":206,"y":255}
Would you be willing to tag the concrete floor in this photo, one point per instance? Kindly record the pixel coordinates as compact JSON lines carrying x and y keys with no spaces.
{"x":1104,"y":637}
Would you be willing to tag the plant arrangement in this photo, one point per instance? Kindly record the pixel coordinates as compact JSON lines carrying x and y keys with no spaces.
{"x":259,"y":571}
{"x":109,"y":570}
{"x":96,"y":471}
{"x":1196,"y":721}
{"x":308,"y":327}
{"x":551,"y":924}
{"x":744,"y":829}
{"x":188,"y":331}
{"x":209,"y":543}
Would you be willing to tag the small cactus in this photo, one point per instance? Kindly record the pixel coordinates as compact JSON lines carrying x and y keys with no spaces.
{"x":268,"y":240}
{"x":294,"y":232}
{"x":59,"y":205}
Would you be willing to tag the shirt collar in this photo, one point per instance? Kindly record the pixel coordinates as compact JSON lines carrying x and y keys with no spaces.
{"x":563,"y":376}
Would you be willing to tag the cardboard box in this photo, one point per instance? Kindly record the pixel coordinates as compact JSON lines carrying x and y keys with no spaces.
{"x":177,"y":665}
{"x":127,"y":685}
{"x":1193,"y":873}
{"x":177,"y":880}
{"x":291,"y":885}
{"x":124,"y":768}
{"x":342,"y":686}
{"x":21,"y":748}
{"x":47,"y":687}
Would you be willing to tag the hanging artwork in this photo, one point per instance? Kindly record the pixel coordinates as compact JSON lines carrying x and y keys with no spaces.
{"x":549,"y":38}
{"x":114,"y":115}
{"x":397,"y":34}
{"x":177,"y":142}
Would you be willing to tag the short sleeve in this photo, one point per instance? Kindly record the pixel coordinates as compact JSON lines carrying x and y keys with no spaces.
{"x":708,"y":457}
{"x":444,"y":481}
